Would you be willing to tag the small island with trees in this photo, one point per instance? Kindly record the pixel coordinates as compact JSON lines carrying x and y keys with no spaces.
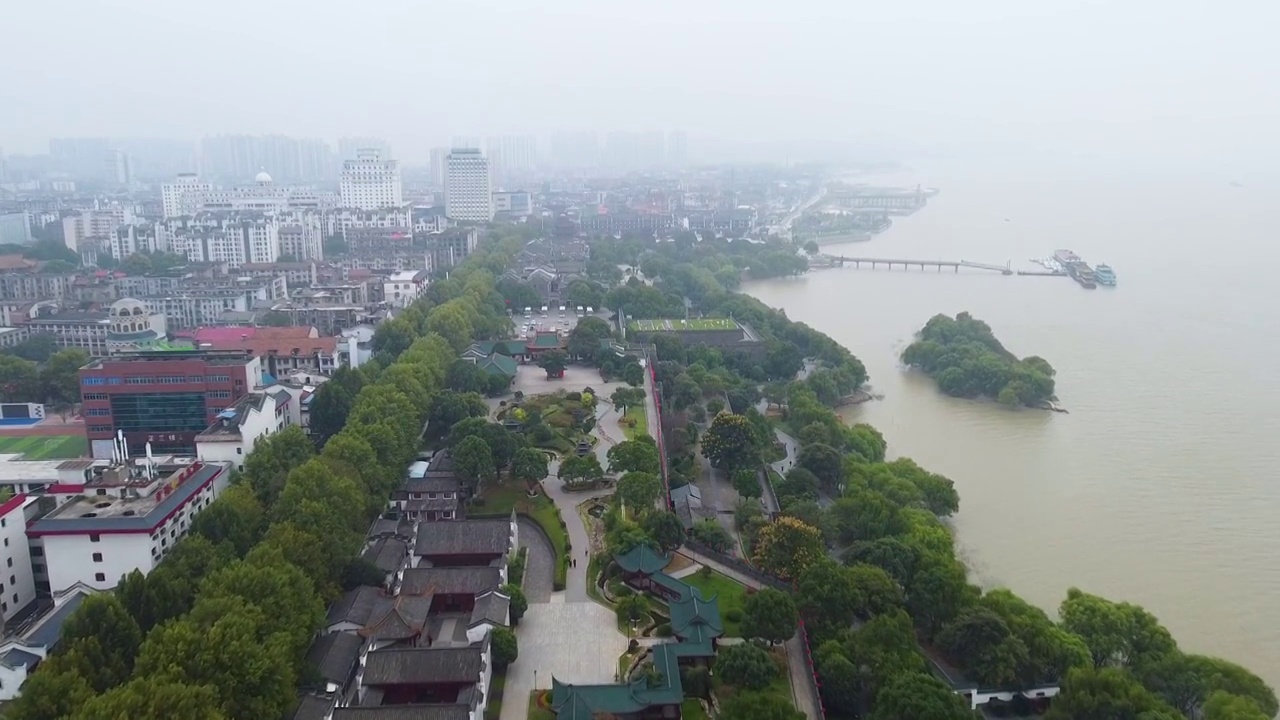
{"x":967,"y":360}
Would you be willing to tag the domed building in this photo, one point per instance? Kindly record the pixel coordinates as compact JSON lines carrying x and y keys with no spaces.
{"x":262,"y":178}
{"x":132,"y":326}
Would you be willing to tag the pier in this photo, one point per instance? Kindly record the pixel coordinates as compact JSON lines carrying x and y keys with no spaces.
{"x":954,"y":265}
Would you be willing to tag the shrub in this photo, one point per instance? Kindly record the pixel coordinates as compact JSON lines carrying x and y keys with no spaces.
{"x":733,"y":615}
{"x":663,"y":630}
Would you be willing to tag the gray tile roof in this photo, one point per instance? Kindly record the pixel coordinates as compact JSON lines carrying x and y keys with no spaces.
{"x":388,"y":554}
{"x":392,"y":527}
{"x":464,"y":537}
{"x":312,"y":707}
{"x":334,"y":655}
{"x":433,"y":482}
{"x":423,"y":666}
{"x":49,"y":630}
{"x":491,"y":607}
{"x":402,"y":618}
{"x":19,"y":658}
{"x":405,"y":712}
{"x":450,"y":580}
{"x":355,"y":606}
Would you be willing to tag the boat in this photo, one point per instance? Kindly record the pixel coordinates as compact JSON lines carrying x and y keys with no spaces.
{"x":1083,"y":274}
{"x":1105,"y":275}
{"x":1066,"y":257}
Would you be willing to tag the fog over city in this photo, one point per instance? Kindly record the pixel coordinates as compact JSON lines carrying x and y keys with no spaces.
{"x":746,"y":79}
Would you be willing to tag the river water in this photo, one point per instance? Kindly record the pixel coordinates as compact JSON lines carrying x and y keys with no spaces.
{"x":1161,"y":485}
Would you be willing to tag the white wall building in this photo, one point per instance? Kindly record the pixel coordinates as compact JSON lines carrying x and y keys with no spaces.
{"x":514,"y":202}
{"x":369,"y":182}
{"x":238,"y":429}
{"x":402,"y":288}
{"x":17,"y":578}
{"x":136,"y":237}
{"x":92,"y":223}
{"x":468,"y":189}
{"x":233,"y":240}
{"x":119,"y":521}
{"x":15,"y":228}
{"x":179,"y":197}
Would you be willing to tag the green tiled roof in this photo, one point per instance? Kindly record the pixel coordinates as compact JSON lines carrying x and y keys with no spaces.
{"x":499,"y":364}
{"x":503,"y":347}
{"x":545,"y":340}
{"x":642,"y":559}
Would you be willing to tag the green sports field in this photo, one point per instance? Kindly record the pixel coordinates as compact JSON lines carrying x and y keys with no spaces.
{"x":675,"y":325}
{"x":46,"y":447}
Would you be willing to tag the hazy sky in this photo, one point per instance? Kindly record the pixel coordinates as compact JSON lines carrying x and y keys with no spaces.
{"x":752,"y":77}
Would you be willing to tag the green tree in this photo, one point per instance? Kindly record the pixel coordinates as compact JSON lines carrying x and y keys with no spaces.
{"x":529,"y":466}
{"x":712,"y":534}
{"x":554,"y":362}
{"x":1109,"y":692}
{"x":626,"y":398}
{"x":731,"y":442}
{"x":1118,"y":634}
{"x":827,"y":597}
{"x":631,"y":607}
{"x":502,"y":443}
{"x":505,"y":647}
{"x":56,"y":691}
{"x":584,"y":339}
{"x":665,"y":529}
{"x":919,"y":697}
{"x":1225,"y":706}
{"x":61,"y":376}
{"x":770,"y":615}
{"x":639,"y":490}
{"x":266,"y":468}
{"x":236,"y":517}
{"x":580,"y":470}
{"x":109,"y":637}
{"x":746,"y":481}
{"x":825,"y":462}
{"x":638,"y":455}
{"x":282,"y":591}
{"x":329,"y":409}
{"x":519,"y":603}
{"x":473,"y":462}
{"x":153,"y":698}
{"x":938,"y":591}
{"x":811,"y":247}
{"x":452,"y":322}
{"x":19,"y":381}
{"x":745,"y":665}
{"x":787,"y":547}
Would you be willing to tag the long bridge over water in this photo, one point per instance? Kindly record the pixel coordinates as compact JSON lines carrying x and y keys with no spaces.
{"x":954,"y":265}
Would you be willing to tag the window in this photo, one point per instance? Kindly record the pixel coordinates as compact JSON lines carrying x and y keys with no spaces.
{"x":37,"y":568}
{"x":100,"y":428}
{"x":239,"y":451}
{"x":6,"y":542}
{"x":37,"y":551}
{"x":95,"y":538}
{"x":113,"y":381}
{"x":94,"y":396}
{"x":97,"y":412}
{"x":100,"y":577}
{"x":93,"y":381}
{"x":8,"y":562}
{"x":97,"y":557}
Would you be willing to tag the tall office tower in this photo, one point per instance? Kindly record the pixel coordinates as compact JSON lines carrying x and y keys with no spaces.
{"x":677,"y":149}
{"x":439,"y":161}
{"x":369,"y":182}
{"x":468,"y":191}
{"x":575,"y":149}
{"x":80,"y":157}
{"x":118,"y":168}
{"x":285,"y":159}
{"x":178,"y":198}
{"x":515,"y":153}
{"x":349,"y":147}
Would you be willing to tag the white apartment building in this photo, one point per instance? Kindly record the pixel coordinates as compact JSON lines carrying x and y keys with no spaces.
{"x":17,"y":576}
{"x":136,"y":237}
{"x":370,"y":182}
{"x":92,"y":223}
{"x":302,"y":239}
{"x":387,"y":217}
{"x":194,"y":310}
{"x":262,"y":196}
{"x":468,"y":189}
{"x":235,"y":241}
{"x":179,"y":198}
{"x":238,"y":429}
{"x":123,"y":519}
{"x":402,"y":288}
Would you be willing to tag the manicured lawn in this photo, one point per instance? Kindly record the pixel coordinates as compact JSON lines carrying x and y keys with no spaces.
{"x":501,"y":498}
{"x":691,"y":709}
{"x":641,"y":416}
{"x":729,"y":593}
{"x":46,"y":447}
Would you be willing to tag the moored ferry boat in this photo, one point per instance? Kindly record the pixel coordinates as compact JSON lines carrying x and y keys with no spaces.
{"x":1105,"y":275}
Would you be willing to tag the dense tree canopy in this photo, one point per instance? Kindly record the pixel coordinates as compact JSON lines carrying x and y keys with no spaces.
{"x":965,"y":358}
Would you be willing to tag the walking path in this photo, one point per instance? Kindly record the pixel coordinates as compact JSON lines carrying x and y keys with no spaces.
{"x":540,"y":562}
{"x":803,"y":691}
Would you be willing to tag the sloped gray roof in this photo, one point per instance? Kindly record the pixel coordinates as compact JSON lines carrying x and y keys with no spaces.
{"x":491,"y":607}
{"x":464,"y":537}
{"x":423,"y":666}
{"x":355,"y":606}
{"x":450,"y":580}
{"x":312,"y":707}
{"x":388,"y":554}
{"x":404,"y":712}
{"x":334,"y":655}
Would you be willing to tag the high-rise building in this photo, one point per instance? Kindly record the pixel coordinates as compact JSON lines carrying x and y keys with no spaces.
{"x":80,"y":157}
{"x":118,"y":168}
{"x":15,"y":228}
{"x":178,"y":198}
{"x":468,"y":190}
{"x":92,"y":224}
{"x":677,"y":149}
{"x":163,"y":398}
{"x":350,"y":147}
{"x":369,"y":182}
{"x":227,"y":238}
{"x":284,"y":158}
{"x":575,"y":149}
{"x":513,"y":153}
{"x":439,"y":158}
